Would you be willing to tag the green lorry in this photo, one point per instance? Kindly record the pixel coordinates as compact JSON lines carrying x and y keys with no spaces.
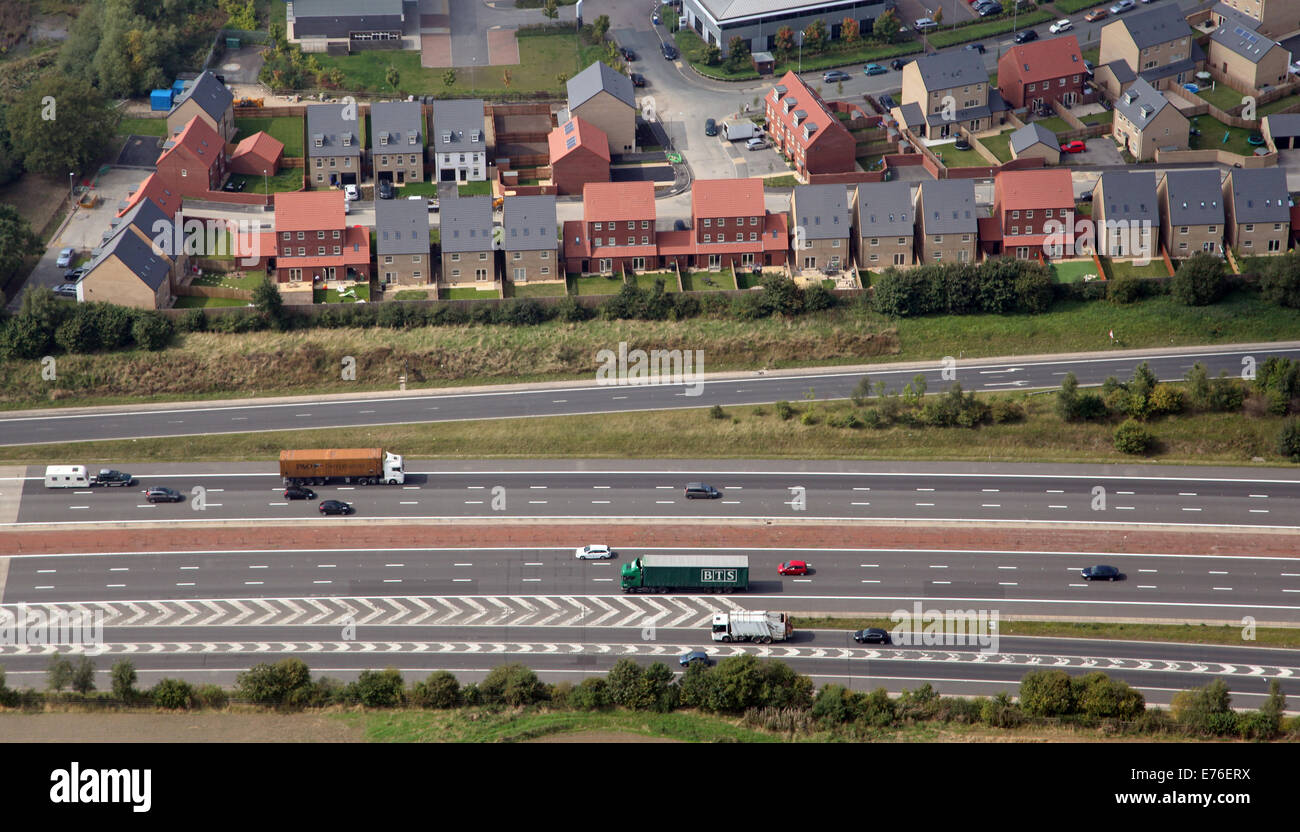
{"x":665,"y":573}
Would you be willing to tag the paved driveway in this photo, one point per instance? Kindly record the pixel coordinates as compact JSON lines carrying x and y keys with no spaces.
{"x":1101,"y":151}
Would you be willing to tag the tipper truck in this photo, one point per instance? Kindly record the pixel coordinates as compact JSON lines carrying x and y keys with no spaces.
{"x":665,"y":573}
{"x":362,"y":466}
{"x":751,"y":625}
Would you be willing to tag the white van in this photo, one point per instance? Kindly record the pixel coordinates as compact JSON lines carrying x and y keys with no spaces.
{"x":66,"y":476}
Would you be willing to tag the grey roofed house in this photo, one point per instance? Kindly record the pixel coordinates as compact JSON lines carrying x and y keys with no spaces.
{"x":1130,"y":195}
{"x":1185,"y":66}
{"x":136,"y":255}
{"x":458,"y":126}
{"x":1032,"y":134}
{"x":952,"y":69}
{"x":1238,"y":34}
{"x":529,"y":224}
{"x":996,"y":105}
{"x":1195,"y":197}
{"x":597,"y":77}
{"x":1283,"y":124}
{"x":1260,"y":195}
{"x":210,"y":94}
{"x":949,"y":207}
{"x":401,"y":226}
{"x":1141,"y":103}
{"x":912,"y":114}
{"x":152,"y":221}
{"x":339,"y":18}
{"x":467,"y":224}
{"x":400,"y":122}
{"x":823,"y":212}
{"x":336,"y":136}
{"x":1157,"y":25}
{"x":1123,"y":72}
{"x":885,"y":209}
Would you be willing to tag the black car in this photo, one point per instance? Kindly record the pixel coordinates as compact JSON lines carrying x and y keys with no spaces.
{"x":670,"y":51}
{"x":710,"y":127}
{"x":628,"y":54}
{"x":700,"y":491}
{"x":991,"y":9}
{"x":1026,"y":36}
{"x":638,"y":80}
{"x":335,"y":507}
{"x":975,"y":47}
{"x":1100,"y":573}
{"x":159,"y":494}
{"x":886,"y":101}
{"x":298,"y":492}
{"x":385,"y":189}
{"x":872,"y":635}
{"x":897,"y":63}
{"x":107,"y":476}
{"x":694,"y":657}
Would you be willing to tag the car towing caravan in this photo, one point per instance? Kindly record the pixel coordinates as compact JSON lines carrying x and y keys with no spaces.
{"x":66,"y":476}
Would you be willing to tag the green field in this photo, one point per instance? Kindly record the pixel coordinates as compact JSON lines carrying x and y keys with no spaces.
{"x":285,"y":129}
{"x":1073,"y":271}
{"x":999,"y":145}
{"x":142,"y":127}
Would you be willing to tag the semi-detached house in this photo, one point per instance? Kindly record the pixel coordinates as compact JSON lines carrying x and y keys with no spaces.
{"x":884,"y":224}
{"x":313,"y":242}
{"x":529,"y":239}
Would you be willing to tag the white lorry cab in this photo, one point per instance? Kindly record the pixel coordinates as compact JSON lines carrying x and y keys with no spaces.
{"x":66,"y":476}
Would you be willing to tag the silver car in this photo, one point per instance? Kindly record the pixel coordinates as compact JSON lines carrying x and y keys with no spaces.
{"x":595,"y":551}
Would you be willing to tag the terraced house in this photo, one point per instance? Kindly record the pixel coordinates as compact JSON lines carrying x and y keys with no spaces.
{"x":333,"y":146}
{"x":397,"y":141}
{"x":1192,"y":215}
{"x":822,"y":227}
{"x":949,"y":90}
{"x":884,"y":224}
{"x":731,"y":228}
{"x":1035,"y":213}
{"x":530,"y":241}
{"x":949,"y":222}
{"x":1033,"y":74}
{"x":1258,"y":211}
{"x":616,"y":232}
{"x":402,"y":250}
{"x":802,"y":128}
{"x":468,"y":255}
{"x":313,"y":242}
{"x":1126,"y":214}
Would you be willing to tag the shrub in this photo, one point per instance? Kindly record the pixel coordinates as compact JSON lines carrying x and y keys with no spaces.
{"x":1198,"y":281}
{"x":716,"y":412}
{"x":1003,"y":411}
{"x":440,"y":690}
{"x":211,"y":696}
{"x":809,"y":417}
{"x":272,"y":684}
{"x":784,"y":410}
{"x":194,"y":320}
{"x":1288,"y":440}
{"x":1047,"y":693}
{"x":151,"y":330}
{"x":1164,"y":400}
{"x":380,"y":688}
{"x":1126,"y":288}
{"x":511,"y":684}
{"x":173,"y":694}
{"x":124,"y":678}
{"x":591,"y":695}
{"x":1132,"y":438}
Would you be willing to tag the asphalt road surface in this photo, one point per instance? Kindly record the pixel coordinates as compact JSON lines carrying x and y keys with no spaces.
{"x":588,"y":397}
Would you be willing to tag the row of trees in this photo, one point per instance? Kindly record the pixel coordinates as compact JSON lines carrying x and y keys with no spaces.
{"x":45,"y":325}
{"x":1203,"y":279}
{"x":999,"y":285}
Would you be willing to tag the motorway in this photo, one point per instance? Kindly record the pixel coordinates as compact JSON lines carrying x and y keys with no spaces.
{"x":584,"y":397}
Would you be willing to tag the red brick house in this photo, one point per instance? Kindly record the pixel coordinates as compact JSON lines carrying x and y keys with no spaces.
{"x":312,"y":240}
{"x":1043,"y":70}
{"x":1024,"y":204}
{"x":155,"y":188}
{"x":193,"y":162}
{"x":800,"y":126}
{"x":732,"y":228}
{"x":617,"y":230}
{"x":257,"y":153}
{"x":579,"y":154}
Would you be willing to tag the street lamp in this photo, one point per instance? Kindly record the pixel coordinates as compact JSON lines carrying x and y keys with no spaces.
{"x":71,"y":186}
{"x":801,"y":51}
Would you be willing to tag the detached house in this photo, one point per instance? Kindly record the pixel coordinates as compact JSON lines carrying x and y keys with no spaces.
{"x":822,"y":227}
{"x":617,"y":230}
{"x":948,"y":90}
{"x":579,"y":154}
{"x":801,"y":127}
{"x":884,"y":224}
{"x":1145,"y":120}
{"x":606,"y":99}
{"x":312,"y":240}
{"x":1035,"y":73}
{"x":1155,"y":44}
{"x":333,"y":146}
{"x":402,"y":250}
{"x":1259,"y":210}
{"x":1035,"y":212}
{"x":459,"y":141}
{"x":1250,"y":59}
{"x":194,"y":162}
{"x":949,"y":229}
{"x":397,"y":141}
{"x":128,"y":271}
{"x":1275,"y":18}
{"x":1192,"y":219}
{"x":1126,"y":213}
{"x":530,"y":240}
{"x":468,"y":254}
{"x":207,"y":98}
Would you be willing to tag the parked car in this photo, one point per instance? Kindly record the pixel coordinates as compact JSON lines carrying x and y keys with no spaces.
{"x":670,"y":51}
{"x":755,"y":143}
{"x":595,"y":551}
{"x":433,"y":204}
{"x":1025,"y":36}
{"x":897,"y":64}
{"x":886,"y":101}
{"x":385,"y":189}
{"x":159,"y":494}
{"x":710,"y":127}
{"x":628,"y":54}
{"x":925,"y":24}
{"x":874,"y":69}
{"x":872,"y":635}
{"x":1295,"y":68}
{"x":698,"y":490}
{"x":234,"y":185}
{"x":975,"y":47}
{"x":66,"y":290}
{"x":351,"y":192}
{"x":835,"y":75}
{"x":65,"y":257}
{"x":335,"y":507}
{"x":299,"y":492}
{"x":1095,"y":15}
{"x":1100,"y":573}
{"x":990,"y":10}
{"x":694,"y":657}
{"x":1076,"y":146}
{"x":1060,"y":26}
{"x":793,"y":567}
{"x":638,"y":80}
{"x":1121,"y":7}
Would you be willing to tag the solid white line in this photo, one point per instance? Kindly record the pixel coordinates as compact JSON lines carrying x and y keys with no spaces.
{"x":859,"y":504}
{"x":1056,"y":491}
{"x":1224,"y":588}
{"x":1126,"y":493}
{"x":1190,"y":509}
{"x":1007,"y":583}
{"x":394,"y":565}
{"x":533,"y":580}
{"x":462,"y":564}
{"x":538,"y":487}
{"x":1058,"y":506}
{"x":537,"y":502}
{"x":326,"y":566}
{"x":186,"y":583}
{"x":861,"y":489}
{"x":1008,"y":567}
{"x":43,"y":587}
{"x":924,"y":504}
{"x":258,"y":566}
{"x":602,"y":486}
{"x":1217,"y":572}
{"x":1259,"y":511}
{"x":114,"y":586}
{"x":990,"y":505}
{"x":1260,"y":496}
{"x":120,"y":569}
{"x":409,"y":502}
{"x":1186,"y":493}
{"x":1146,"y":586}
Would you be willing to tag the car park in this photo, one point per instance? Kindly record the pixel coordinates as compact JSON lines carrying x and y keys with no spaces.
{"x":835,"y":75}
{"x":1060,"y":26}
{"x":1076,"y":146}
{"x":299,"y":492}
{"x":700,"y":491}
{"x":793,"y":567}
{"x":65,"y":257}
{"x":1025,"y":36}
{"x":755,"y":144}
{"x":160,"y":494}
{"x":1095,"y":15}
{"x":1100,"y":573}
{"x":335,"y":507}
{"x":710,"y":127}
{"x":872,"y":635}
{"x":594,"y":551}
{"x":874,"y":69}
{"x":694,"y":657}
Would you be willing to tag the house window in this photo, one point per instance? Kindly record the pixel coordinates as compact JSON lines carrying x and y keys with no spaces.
{"x":645,"y":239}
{"x":337,"y":251}
{"x":288,"y":251}
{"x":1277,"y":226}
{"x":301,"y":235}
{"x":1062,"y":83}
{"x":295,"y":275}
{"x":1274,"y":245}
{"x":965,"y":238}
{"x":1182,"y":246}
{"x":1015,"y":229}
{"x":455,"y":258}
{"x":938,"y":238}
{"x":753,"y":220}
{"x":753,"y":236}
{"x":336,"y":235}
{"x":546,"y":255}
{"x":1049,"y":213}
{"x":875,"y":257}
{"x":631,"y":241}
{"x":1031,"y":87}
{"x":546,"y":269}
{"x":1213,"y":228}
{"x":417,"y":275}
{"x":708,"y":222}
{"x":1183,"y":230}
{"x":1250,"y":228}
{"x":899,"y":259}
{"x":287,"y":236}
{"x":1015,"y":215}
{"x":1029,"y":215}
{"x":835,"y":244}
{"x":631,"y":225}
{"x":708,"y":238}
{"x":320,"y":251}
{"x":455,"y":272}
{"x":518,"y":256}
{"x":482,"y":255}
{"x":1247,"y":244}
{"x":645,"y":224}
{"x":302,"y":251}
{"x":320,"y":235}
{"x":388,"y":260}
{"x":597,"y":226}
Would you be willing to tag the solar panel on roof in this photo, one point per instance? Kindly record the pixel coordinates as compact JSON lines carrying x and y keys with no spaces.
{"x":568,"y":128}
{"x":571,"y":143}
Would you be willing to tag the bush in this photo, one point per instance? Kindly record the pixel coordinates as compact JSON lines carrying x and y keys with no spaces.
{"x":124,"y":678}
{"x":511,"y":684}
{"x":1288,"y":440}
{"x":151,"y":330}
{"x":173,"y":694}
{"x":1165,"y":400}
{"x":194,"y":320}
{"x":716,"y":412}
{"x":1198,"y":281}
{"x":1003,"y":411}
{"x":440,"y":690}
{"x":1279,"y":281}
{"x":1047,"y":693}
{"x":211,"y":696}
{"x":591,"y":695}
{"x":1132,"y":438}
{"x":784,"y":411}
{"x":380,"y":688}
{"x":77,"y":334}
{"x":1126,"y":288}
{"x":273,"y":684}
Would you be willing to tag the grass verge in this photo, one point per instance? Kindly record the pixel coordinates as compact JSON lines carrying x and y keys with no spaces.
{"x":481,"y":725}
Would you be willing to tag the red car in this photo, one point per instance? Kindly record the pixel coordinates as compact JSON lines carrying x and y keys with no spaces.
{"x":1076,"y":146}
{"x":793,"y":567}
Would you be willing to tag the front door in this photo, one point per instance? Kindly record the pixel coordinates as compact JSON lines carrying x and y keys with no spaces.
{"x":747,"y":260}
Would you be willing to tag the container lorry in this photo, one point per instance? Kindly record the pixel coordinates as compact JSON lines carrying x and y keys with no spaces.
{"x":739,"y":129}
{"x":665,"y":573}
{"x":751,"y":625}
{"x":360,"y":466}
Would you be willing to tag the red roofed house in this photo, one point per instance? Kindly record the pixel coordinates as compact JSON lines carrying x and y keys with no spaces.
{"x":156,"y":188}
{"x":732,"y":228}
{"x":579,"y":154}
{"x":1033,"y":208}
{"x":800,"y":127}
{"x":617,"y":230}
{"x":257,"y":153}
{"x":1037,"y":72}
{"x":193,"y":162}
{"x":312,"y":240}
